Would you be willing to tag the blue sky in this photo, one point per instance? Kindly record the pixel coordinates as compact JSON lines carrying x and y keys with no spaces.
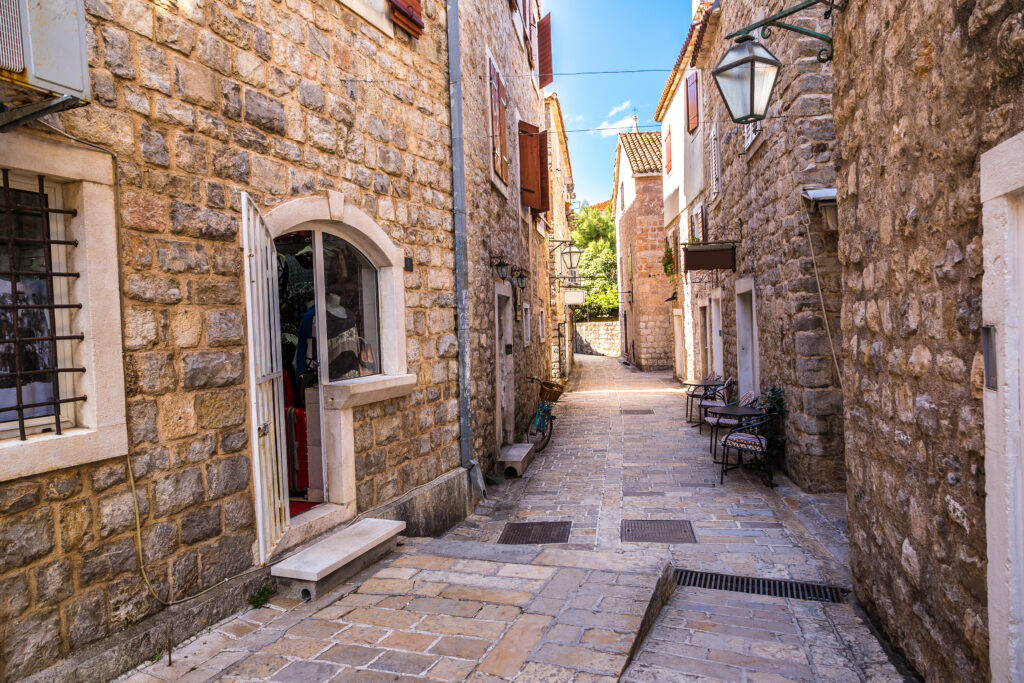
{"x":610,"y":35}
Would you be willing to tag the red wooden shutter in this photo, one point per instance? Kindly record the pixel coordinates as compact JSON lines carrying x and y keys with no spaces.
{"x":547,"y":71}
{"x":668,"y":151}
{"x":545,"y":179}
{"x":529,"y":165}
{"x":692,"y":110}
{"x":408,"y":14}
{"x":495,"y":121}
{"x":503,"y":130}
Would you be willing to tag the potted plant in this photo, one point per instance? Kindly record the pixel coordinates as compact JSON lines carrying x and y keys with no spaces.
{"x":668,"y":260}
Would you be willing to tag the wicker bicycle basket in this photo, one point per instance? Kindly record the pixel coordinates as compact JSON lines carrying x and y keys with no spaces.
{"x":550,"y":391}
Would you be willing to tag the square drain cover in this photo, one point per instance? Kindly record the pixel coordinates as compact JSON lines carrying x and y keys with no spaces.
{"x":523,"y":533}
{"x":657,"y":531}
{"x":637,"y":412}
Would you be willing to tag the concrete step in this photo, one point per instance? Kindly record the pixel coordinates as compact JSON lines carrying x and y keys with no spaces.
{"x":515,"y":458}
{"x":323,"y":566}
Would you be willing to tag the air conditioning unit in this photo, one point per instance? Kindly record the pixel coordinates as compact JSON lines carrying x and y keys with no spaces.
{"x":43,"y":59}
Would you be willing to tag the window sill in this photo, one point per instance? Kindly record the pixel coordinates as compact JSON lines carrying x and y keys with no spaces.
{"x":359,"y":392}
{"x":49,"y":452}
{"x":376,"y":17}
{"x":755,"y":145}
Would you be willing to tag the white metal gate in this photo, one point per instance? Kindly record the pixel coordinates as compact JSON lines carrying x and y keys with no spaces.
{"x":270,"y":468}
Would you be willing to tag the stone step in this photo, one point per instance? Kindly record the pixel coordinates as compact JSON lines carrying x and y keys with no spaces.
{"x":329,"y":562}
{"x":515,"y":458}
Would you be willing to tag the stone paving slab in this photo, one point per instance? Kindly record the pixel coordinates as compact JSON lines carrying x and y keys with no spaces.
{"x":463,"y":608}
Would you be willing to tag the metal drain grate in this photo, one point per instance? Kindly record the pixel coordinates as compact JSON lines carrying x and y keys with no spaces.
{"x":637,"y":412}
{"x":779,"y":588}
{"x":531,"y":533}
{"x":656,"y":531}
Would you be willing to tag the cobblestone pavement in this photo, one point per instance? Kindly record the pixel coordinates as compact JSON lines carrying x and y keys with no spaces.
{"x":465,"y":608}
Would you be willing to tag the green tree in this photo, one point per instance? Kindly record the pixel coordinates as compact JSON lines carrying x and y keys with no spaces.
{"x":595,"y":235}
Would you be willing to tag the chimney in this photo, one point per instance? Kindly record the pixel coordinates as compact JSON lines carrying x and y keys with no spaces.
{"x":636,"y":124}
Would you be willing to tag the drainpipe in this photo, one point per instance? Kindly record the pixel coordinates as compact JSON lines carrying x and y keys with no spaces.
{"x":461,"y":250}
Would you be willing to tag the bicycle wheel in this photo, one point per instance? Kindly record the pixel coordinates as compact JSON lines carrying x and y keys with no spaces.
{"x":539,"y":432}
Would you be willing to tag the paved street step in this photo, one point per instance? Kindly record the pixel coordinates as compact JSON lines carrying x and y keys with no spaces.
{"x":329,"y":562}
{"x":515,"y":458}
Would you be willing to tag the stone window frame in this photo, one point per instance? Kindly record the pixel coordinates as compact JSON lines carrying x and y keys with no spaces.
{"x":1002,"y":197}
{"x":380,"y":18}
{"x":496,"y":180}
{"x":331,"y":213}
{"x":101,"y":431}
{"x":526,"y":325}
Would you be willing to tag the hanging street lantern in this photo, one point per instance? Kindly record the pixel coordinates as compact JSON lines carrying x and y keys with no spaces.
{"x":521,"y":279}
{"x":571,"y":257}
{"x":746,"y":77}
{"x":747,"y":73}
{"x":502,"y":269}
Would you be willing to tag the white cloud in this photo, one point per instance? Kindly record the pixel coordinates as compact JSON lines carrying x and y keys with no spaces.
{"x":621,"y":126}
{"x":621,"y":108}
{"x":579,"y":118}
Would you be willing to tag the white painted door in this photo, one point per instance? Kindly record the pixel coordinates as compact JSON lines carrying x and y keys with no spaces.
{"x":746,"y":343}
{"x":266,"y":380}
{"x":504,"y":366}
{"x":718,"y":362}
{"x":677,"y":331}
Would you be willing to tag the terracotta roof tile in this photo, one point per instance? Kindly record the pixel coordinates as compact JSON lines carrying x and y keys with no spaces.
{"x":643,"y":151}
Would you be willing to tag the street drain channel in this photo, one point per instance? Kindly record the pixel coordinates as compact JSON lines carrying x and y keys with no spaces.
{"x":779,"y":588}
{"x":535,"y":533}
{"x":656,"y":531}
{"x":637,"y":412}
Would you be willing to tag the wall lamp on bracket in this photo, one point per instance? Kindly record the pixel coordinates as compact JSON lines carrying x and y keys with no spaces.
{"x":501,"y":267}
{"x":521,"y":279}
{"x":570,"y":253}
{"x":747,"y":73}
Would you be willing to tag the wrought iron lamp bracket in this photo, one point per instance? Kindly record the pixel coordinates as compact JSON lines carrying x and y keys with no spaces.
{"x":775,"y":21}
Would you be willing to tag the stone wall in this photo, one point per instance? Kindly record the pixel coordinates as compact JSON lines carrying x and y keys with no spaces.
{"x":922,"y":89}
{"x":648,"y":336}
{"x":201,"y":101}
{"x":598,"y":338}
{"x":759,"y":206}
{"x":499,"y":228}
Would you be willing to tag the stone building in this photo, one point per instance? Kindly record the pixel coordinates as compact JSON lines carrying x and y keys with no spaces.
{"x":646,"y":333}
{"x":759,"y":291}
{"x":928,"y":112}
{"x":557,"y":324}
{"x":506,"y":161}
{"x":195,"y":423}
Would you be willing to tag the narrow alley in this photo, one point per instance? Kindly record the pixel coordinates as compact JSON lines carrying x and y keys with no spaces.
{"x":463,"y":607}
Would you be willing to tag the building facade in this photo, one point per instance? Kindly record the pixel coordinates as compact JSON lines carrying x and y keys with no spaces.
{"x":644,"y":286}
{"x":766,"y":321}
{"x":929,"y":244}
{"x":561,"y":220}
{"x":230,"y":317}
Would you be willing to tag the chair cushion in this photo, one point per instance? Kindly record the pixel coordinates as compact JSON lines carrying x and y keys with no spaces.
{"x":746,"y":442}
{"x":721,"y":421}
{"x":711,"y":404}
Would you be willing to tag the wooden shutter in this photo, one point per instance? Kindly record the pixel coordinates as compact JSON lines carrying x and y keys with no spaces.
{"x":545,"y":178}
{"x":668,"y":151}
{"x":495,"y":121}
{"x":502,"y":130}
{"x":547,"y":71}
{"x":529,"y":165}
{"x":692,"y":110}
{"x":408,"y":15}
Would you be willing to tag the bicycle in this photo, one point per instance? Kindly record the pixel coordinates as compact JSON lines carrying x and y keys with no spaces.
{"x":539,"y":431}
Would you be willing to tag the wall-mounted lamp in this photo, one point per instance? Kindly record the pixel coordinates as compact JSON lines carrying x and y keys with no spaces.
{"x":502,"y":268}
{"x":747,"y":73}
{"x":521,"y":279}
{"x":571,"y":257}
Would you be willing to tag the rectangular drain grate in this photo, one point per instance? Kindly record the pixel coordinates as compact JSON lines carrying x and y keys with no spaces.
{"x":636,"y":412}
{"x":657,"y":531}
{"x":530,"y":533}
{"x":779,"y":588}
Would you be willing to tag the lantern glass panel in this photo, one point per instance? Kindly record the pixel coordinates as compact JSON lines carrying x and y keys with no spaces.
{"x":735,"y":86}
{"x":764,"y":83}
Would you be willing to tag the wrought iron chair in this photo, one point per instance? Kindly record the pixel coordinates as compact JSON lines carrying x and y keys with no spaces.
{"x":694,"y":394}
{"x":747,"y":438}
{"x":713,"y":397}
{"x":718,"y":422}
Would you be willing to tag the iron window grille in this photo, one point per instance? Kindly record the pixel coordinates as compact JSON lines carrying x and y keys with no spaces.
{"x":37,"y":372}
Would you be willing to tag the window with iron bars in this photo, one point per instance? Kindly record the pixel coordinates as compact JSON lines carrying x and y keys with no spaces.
{"x":37,"y":343}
